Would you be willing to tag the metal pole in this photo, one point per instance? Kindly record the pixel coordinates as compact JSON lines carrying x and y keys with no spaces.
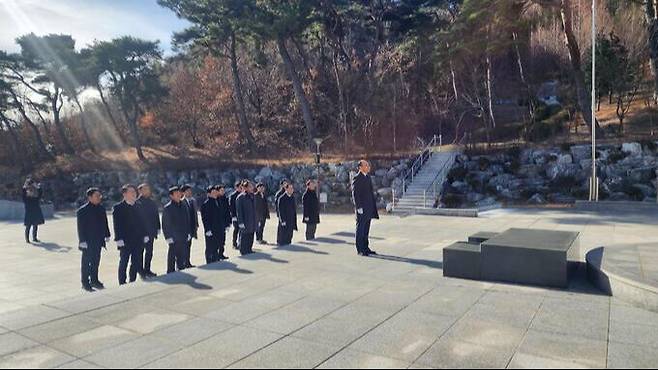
{"x":593,"y":197}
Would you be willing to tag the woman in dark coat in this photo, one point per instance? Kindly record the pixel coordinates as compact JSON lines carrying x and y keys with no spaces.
{"x":32,"y":194}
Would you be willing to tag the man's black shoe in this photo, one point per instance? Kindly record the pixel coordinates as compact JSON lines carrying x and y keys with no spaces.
{"x":363,"y":254}
{"x":87,"y":288}
{"x":372,"y":252}
{"x":98,"y":285}
{"x":222,"y":258}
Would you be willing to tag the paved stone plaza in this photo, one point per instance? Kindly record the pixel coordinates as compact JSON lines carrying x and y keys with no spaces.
{"x":319,"y":305}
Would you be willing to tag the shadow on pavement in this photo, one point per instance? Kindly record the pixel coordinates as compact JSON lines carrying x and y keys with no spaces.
{"x":226,"y":266}
{"x":183,"y":278}
{"x":414,"y":261}
{"x":51,"y":247}
{"x":299,"y":248}
{"x":260,"y":255}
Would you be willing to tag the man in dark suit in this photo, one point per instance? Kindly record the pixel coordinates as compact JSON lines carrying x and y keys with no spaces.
{"x":262,"y":211}
{"x":193,"y":209}
{"x":287,"y":209}
{"x":176,"y":230}
{"x":150,"y":214}
{"x":282,"y":190}
{"x":93,"y":235}
{"x":246,"y":215}
{"x":225,"y":217}
{"x":234,"y":216}
{"x":311,"y":204}
{"x":130,"y":235}
{"x":213,"y":225}
{"x":365,"y":205}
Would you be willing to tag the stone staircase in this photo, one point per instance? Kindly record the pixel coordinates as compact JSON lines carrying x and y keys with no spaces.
{"x":420,"y":193}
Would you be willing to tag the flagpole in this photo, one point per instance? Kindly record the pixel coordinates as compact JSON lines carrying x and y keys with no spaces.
{"x":594,"y":182}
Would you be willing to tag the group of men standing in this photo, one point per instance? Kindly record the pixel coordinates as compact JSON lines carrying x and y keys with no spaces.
{"x":137,"y":225}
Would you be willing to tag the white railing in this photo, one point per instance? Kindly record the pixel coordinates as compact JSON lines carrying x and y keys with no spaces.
{"x":425,"y":155}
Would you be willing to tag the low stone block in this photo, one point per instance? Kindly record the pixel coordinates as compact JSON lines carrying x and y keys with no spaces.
{"x":481,"y":237}
{"x":462,"y":260}
{"x":534,"y":257}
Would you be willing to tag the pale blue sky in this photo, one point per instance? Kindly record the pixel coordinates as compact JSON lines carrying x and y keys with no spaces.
{"x":87,"y":20}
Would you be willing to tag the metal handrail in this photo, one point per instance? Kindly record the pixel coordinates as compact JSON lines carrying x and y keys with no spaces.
{"x":424,"y":156}
{"x":447,"y":165}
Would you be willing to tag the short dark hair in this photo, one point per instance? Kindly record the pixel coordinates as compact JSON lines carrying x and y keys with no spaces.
{"x":260,"y":184}
{"x":238,"y":183}
{"x":245,"y":182}
{"x":219,"y":187}
{"x":125,"y":188}
{"x":173,"y":189}
{"x":185,"y":188}
{"x":362,"y":162}
{"x":309,"y":181}
{"x":210,"y":189}
{"x":92,"y":191}
{"x":284,"y":181}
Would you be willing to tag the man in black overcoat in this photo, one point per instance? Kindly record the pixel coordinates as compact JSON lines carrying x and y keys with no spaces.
{"x":287,"y":210}
{"x":365,"y":205}
{"x":150,"y":213}
{"x":262,"y":212}
{"x":130,"y":235}
{"x":193,"y":209}
{"x":176,"y":230}
{"x":213,"y":225}
{"x":246,"y":215}
{"x":311,"y":204}
{"x":93,"y":235}
{"x":234,"y":216}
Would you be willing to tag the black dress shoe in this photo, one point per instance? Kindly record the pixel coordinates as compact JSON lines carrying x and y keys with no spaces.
{"x":372,"y":252}
{"x":363,"y":254}
{"x":87,"y":288}
{"x":36,"y":241}
{"x":222,"y":258}
{"x":98,"y":285}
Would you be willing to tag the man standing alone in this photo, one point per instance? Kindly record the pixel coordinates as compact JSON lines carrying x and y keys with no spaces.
{"x":365,"y":206}
{"x":311,"y":204}
{"x":129,"y":234}
{"x":93,"y":235}
{"x":176,"y":230}
{"x":150,"y":214}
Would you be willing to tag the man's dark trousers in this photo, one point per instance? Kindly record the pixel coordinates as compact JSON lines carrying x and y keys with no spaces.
{"x":134,"y":255}
{"x":215,"y":247}
{"x":310,"y":231}
{"x":91,"y":260}
{"x":176,"y":257}
{"x":260,"y":229}
{"x":246,"y":242}
{"x":236,"y":233}
{"x":148,"y":254}
{"x":362,"y":233}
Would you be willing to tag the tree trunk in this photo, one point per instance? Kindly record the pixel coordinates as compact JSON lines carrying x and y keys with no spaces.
{"x":299,"y":91}
{"x":243,"y":122}
{"x":83,"y":125}
{"x":341,"y":103}
{"x":651,"y":16}
{"x":108,"y":110}
{"x":490,"y":92}
{"x":131,"y":119}
{"x":16,"y":147}
{"x":582,"y":92}
{"x":54,"y":101}
{"x":40,"y":142}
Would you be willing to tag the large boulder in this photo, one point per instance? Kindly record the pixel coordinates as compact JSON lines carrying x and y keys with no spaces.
{"x":642,"y":174}
{"x":581,"y":152}
{"x":563,"y":170}
{"x":505,"y":181}
{"x":634,"y":149}
{"x":564,"y":159}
